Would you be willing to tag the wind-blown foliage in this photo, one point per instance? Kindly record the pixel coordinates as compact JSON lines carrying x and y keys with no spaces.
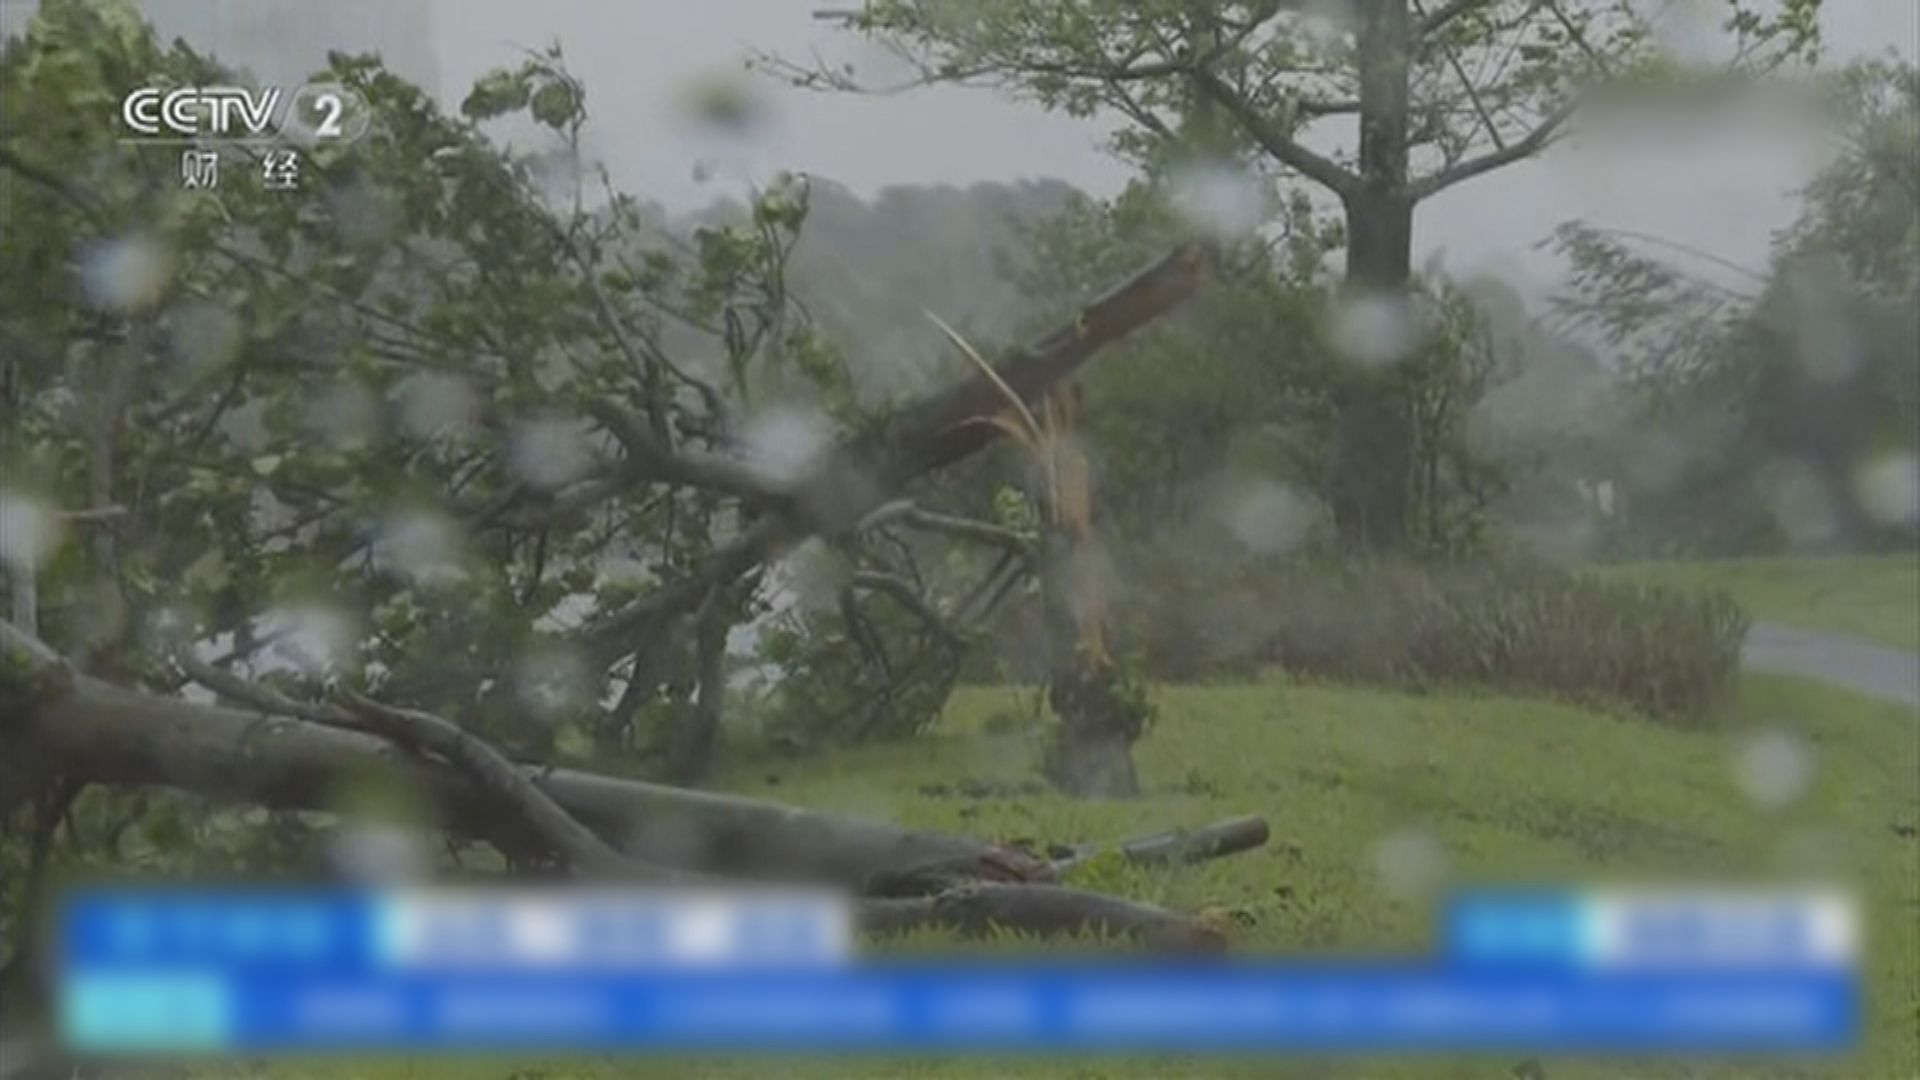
{"x":420,"y":419}
{"x":1789,"y":410}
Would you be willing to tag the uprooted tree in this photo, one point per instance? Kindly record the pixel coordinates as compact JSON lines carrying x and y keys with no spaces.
{"x":438,"y":476}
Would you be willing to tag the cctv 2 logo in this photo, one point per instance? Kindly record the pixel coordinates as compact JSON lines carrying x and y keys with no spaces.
{"x":314,"y":113}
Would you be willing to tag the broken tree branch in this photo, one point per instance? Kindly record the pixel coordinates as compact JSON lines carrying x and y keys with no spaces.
{"x":902,"y":592}
{"x":584,"y":851}
{"x":1228,"y":837}
{"x":904,"y":512}
{"x":864,"y":473}
{"x":97,"y":732}
{"x":1528,"y":145}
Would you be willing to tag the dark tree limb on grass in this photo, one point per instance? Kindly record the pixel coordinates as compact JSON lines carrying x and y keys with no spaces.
{"x":99,"y":732}
{"x":1177,"y":846}
{"x":574,"y":843}
{"x":603,"y":827}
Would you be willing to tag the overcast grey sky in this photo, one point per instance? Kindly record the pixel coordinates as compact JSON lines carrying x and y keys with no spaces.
{"x":1723,"y":188}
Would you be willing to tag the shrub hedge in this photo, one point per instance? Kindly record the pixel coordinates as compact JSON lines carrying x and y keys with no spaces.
{"x":1510,"y":625}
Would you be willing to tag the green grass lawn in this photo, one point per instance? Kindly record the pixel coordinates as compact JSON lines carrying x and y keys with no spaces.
{"x":1498,"y":788}
{"x":1877,"y":598}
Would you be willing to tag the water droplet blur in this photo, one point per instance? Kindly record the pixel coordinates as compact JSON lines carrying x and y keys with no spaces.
{"x":784,"y":445}
{"x":725,"y":102}
{"x":551,"y":453}
{"x":314,"y":640}
{"x":1375,"y":329}
{"x":1800,"y":502}
{"x":376,"y":854}
{"x":420,"y":545}
{"x":1220,"y":199}
{"x":551,"y":682}
{"x":1888,"y":488}
{"x":169,"y":628}
{"x":30,"y":531}
{"x":1773,"y":768}
{"x":127,"y":274}
{"x":345,"y":417}
{"x":1268,"y":518}
{"x":1410,"y":862}
{"x":1689,"y":31}
{"x":204,"y":337}
{"x":436,"y":404}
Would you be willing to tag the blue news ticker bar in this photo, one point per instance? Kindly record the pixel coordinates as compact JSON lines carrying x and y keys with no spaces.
{"x":260,"y":970}
{"x":342,"y":932}
{"x":1095,"y":1008}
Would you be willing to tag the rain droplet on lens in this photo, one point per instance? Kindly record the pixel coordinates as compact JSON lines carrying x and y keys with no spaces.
{"x":313,"y":639}
{"x":378,"y":854}
{"x":204,"y":337}
{"x":1268,"y":518}
{"x":434,"y":404}
{"x":30,"y":530}
{"x":551,"y":682}
{"x":785,"y":444}
{"x":1773,"y":768}
{"x":725,"y":102}
{"x":1221,"y":199}
{"x":551,"y":453}
{"x":422,"y":546}
{"x":1888,"y":488}
{"x":1376,"y":329}
{"x":1409,"y":862}
{"x":126,"y":274}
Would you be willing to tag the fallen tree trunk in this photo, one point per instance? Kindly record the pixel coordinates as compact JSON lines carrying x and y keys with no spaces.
{"x":99,"y":733}
{"x":1177,"y":846}
{"x":92,"y":732}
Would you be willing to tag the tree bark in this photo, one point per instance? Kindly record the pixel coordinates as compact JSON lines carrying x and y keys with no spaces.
{"x":1370,"y":470}
{"x":95,"y":732}
{"x":1181,"y":845}
{"x":1093,"y":754}
{"x":697,"y":728}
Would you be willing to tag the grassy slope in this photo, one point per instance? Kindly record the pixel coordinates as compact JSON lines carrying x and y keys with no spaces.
{"x":1507,"y":788}
{"x":1876,"y":598}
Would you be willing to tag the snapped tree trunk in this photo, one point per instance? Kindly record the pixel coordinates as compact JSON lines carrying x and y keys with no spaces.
{"x":697,"y":726}
{"x":1092,"y":756}
{"x":1370,"y":469}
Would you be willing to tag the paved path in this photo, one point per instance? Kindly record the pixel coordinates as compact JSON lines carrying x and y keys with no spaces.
{"x":1852,"y":663}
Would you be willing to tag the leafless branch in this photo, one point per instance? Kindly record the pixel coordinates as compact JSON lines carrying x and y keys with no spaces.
{"x":904,"y":512}
{"x":1273,"y":139}
{"x":902,"y":592}
{"x":1536,"y":140}
{"x":651,"y":460}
